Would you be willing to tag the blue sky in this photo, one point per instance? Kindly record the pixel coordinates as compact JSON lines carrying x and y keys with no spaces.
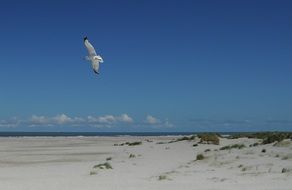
{"x":169,"y":66}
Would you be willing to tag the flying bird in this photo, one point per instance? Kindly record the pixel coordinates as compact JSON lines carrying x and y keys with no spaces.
{"x":92,"y":56}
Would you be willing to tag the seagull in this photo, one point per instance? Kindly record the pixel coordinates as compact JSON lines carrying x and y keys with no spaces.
{"x":92,"y":56}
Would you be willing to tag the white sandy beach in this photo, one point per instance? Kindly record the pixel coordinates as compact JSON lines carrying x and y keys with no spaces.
{"x":66,"y":163}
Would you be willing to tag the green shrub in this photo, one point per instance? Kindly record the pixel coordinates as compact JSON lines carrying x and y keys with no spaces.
{"x":134,"y":143}
{"x":209,"y":138}
{"x":267,"y":137}
{"x":162,"y":177}
{"x":132,"y":156}
{"x":254,"y":144}
{"x":161,"y":143}
{"x":185,"y":138}
{"x":105,"y":165}
{"x":200,"y":157}
{"x":122,"y":144}
{"x":285,"y":158}
{"x":93,"y":173}
{"x":225,"y":148}
{"x":263,"y":150}
{"x":238,"y":146}
{"x":286,"y":170}
{"x":284,"y":143}
{"x":277,"y":137}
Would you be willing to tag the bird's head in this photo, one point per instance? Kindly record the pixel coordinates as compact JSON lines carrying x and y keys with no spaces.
{"x":98,"y":58}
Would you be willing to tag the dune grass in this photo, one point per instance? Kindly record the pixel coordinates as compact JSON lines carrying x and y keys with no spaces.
{"x":93,"y":173}
{"x":200,"y":157}
{"x":162,"y":177}
{"x":129,"y":143}
{"x":132,"y":156}
{"x":267,"y":137}
{"x":237,"y":146}
{"x":286,"y":170}
{"x":209,"y":138}
{"x":134,"y":143}
{"x":105,"y":165}
{"x":185,"y":138}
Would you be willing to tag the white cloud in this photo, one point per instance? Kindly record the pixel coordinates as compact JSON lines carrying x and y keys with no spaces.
{"x":168,"y":124}
{"x":38,"y":119}
{"x":11,"y":123}
{"x":152,"y":120}
{"x":79,"y":119}
{"x":108,"y":119}
{"x":125,"y":118}
{"x":62,"y":119}
{"x":158,"y":123}
{"x":104,"y":121}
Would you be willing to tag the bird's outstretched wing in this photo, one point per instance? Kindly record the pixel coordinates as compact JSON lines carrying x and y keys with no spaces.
{"x":95,"y":66}
{"x":90,"y":48}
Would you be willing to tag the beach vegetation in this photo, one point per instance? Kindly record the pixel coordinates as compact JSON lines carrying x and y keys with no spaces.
{"x":185,"y":138}
{"x":267,"y":137}
{"x":134,"y":143}
{"x":285,"y":157}
{"x":286,"y":170}
{"x":129,"y":143}
{"x":132,"y":156}
{"x":93,"y":173}
{"x":209,"y":138}
{"x":105,"y":165}
{"x":234,"y":146}
{"x":254,"y":144}
{"x":122,"y":144}
{"x":162,"y":177}
{"x":284,"y":143}
{"x":200,"y":157}
{"x":161,"y":142}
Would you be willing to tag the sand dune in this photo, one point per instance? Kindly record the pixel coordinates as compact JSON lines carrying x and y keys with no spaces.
{"x":73,"y":163}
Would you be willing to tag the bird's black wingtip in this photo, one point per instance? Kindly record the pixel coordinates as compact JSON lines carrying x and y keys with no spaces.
{"x":85,"y":38}
{"x":95,"y":72}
